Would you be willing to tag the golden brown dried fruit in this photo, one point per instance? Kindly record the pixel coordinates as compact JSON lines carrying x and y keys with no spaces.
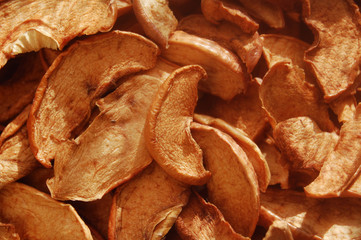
{"x":167,"y":130}
{"x":285,"y":94}
{"x":147,"y":206}
{"x":279,"y":230}
{"x":226,"y":73}
{"x":8,"y":232}
{"x":34,"y":214}
{"x":123,"y":6}
{"x":79,"y":77}
{"x":335,"y":54}
{"x":48,"y":56}
{"x":29,"y":27}
{"x":202,"y":220}
{"x":344,"y":107}
{"x":156,"y":18}
{"x":342,"y":165}
{"x":216,"y":11}
{"x":233,"y":187}
{"x":354,"y":190}
{"x":247,"y":46}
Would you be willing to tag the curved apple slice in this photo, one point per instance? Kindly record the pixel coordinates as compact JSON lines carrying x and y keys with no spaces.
{"x":28,"y":27}
{"x":8,"y":232}
{"x":167,"y":129}
{"x":77,"y":78}
{"x":227,"y":75}
{"x":233,"y":186}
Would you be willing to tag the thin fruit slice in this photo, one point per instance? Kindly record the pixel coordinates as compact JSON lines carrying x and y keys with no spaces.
{"x":354,"y":190}
{"x":279,"y":230}
{"x":344,"y":107}
{"x":8,"y":232}
{"x":30,"y":26}
{"x":36,"y":215}
{"x":227,"y":75}
{"x":77,"y":78}
{"x":233,"y":187}
{"x":335,"y":54}
{"x":156,"y":18}
{"x":147,"y":206}
{"x":202,"y":220}
{"x":167,"y":130}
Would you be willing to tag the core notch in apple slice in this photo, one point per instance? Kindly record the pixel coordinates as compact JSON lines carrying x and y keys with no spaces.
{"x":167,"y":129}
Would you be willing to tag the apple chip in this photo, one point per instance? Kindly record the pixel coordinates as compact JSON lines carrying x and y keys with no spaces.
{"x":202,"y":220}
{"x":354,"y":189}
{"x":167,"y":129}
{"x":8,"y":232}
{"x":244,"y":111}
{"x":279,"y":230}
{"x":226,"y":73}
{"x":251,"y":149}
{"x":48,"y":56}
{"x":147,"y":206}
{"x":216,"y":11}
{"x":342,"y":165}
{"x":247,"y":46}
{"x":112,"y":149}
{"x":344,"y":107}
{"x":285,"y":94}
{"x":78,"y":77}
{"x":156,"y":19}
{"x":123,"y":6}
{"x":233,"y":187}
{"x":335,"y":54}
{"x":36,"y":215}
{"x":308,"y":218}
{"x":282,"y":48}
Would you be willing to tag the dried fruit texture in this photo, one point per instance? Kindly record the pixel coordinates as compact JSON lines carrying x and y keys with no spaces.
{"x":77,"y":78}
{"x":244,"y":111}
{"x":281,"y":48}
{"x":284,"y":85}
{"x":167,"y":129}
{"x":342,"y":165}
{"x":271,"y":14}
{"x":233,"y":187}
{"x":112,"y":149}
{"x":8,"y":232}
{"x":147,"y":206}
{"x":354,"y":190}
{"x":156,"y":18}
{"x":247,"y":46}
{"x":31,"y":26}
{"x":249,"y":147}
{"x":217,"y":11}
{"x":344,"y":107}
{"x":34,"y":214}
{"x":337,"y":218}
{"x":202,"y":220}
{"x":303,"y":143}
{"x":226,"y":73}
{"x":335,"y":54}
{"x":277,"y":164}
{"x":279,"y":230}
{"x":18,"y":91}
{"x":48,"y":56}
{"x":123,"y":6}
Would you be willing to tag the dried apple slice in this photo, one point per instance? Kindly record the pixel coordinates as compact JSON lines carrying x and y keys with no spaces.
{"x":41,"y":220}
{"x":8,"y":232}
{"x":249,"y":147}
{"x":156,"y":18}
{"x":233,"y":187}
{"x":247,"y":46}
{"x":337,"y":27}
{"x":202,"y":220}
{"x":342,"y":165}
{"x":344,"y":107}
{"x":112,"y":149}
{"x":167,"y":130}
{"x":279,"y":230}
{"x":47,"y":56}
{"x":30,"y":27}
{"x":216,"y":11}
{"x":123,"y":6}
{"x":284,"y":85}
{"x":226,"y":73}
{"x":309,"y":218}
{"x":147,"y":206}
{"x":354,"y":190}
{"x":77,"y":78}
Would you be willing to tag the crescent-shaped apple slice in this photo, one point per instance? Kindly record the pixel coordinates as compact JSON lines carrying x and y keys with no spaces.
{"x":167,"y":130}
{"x":30,"y":26}
{"x":77,"y":78}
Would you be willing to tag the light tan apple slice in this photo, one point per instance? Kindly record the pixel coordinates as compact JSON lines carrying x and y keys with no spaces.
{"x":167,"y":129}
{"x":233,"y":186}
{"x":36,"y":215}
{"x":77,"y":78}
{"x":227,"y":75}
{"x":156,"y":18}
{"x":147,"y":206}
{"x":8,"y":232}
{"x":27,"y":27}
{"x":279,"y":230}
{"x":344,"y":107}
